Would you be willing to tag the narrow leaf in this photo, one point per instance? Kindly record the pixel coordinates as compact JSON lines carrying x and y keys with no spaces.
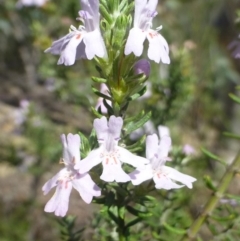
{"x":213,"y":156}
{"x":174,"y":230}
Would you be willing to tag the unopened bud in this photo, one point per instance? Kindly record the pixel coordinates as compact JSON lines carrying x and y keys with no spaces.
{"x":142,"y":66}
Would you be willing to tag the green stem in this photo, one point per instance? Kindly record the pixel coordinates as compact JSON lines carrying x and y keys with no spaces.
{"x":212,"y":202}
{"x":121,"y":237}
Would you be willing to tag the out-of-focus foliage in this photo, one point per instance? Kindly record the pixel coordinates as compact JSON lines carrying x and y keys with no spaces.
{"x":190,"y":96}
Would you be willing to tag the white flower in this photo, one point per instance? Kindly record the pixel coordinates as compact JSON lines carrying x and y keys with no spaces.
{"x":162,"y":175}
{"x":68,"y":177}
{"x":109,"y":153}
{"x":145,"y":11}
{"x":84,"y":42}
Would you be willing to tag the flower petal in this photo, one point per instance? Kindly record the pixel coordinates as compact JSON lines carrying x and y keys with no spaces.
{"x":52,"y":182}
{"x":92,"y":7}
{"x":71,"y":146}
{"x":115,"y":125}
{"x":135,"y":42}
{"x":129,"y":158}
{"x":92,"y":159}
{"x":152,"y":5}
{"x":94,"y":45}
{"x":163,"y":131}
{"x":58,"y":45}
{"x":114,"y":173}
{"x":140,"y":175}
{"x":139,"y":6}
{"x":164,"y":147}
{"x":80,"y":54}
{"x":101,"y":127}
{"x":86,"y":187}
{"x":151,"y":146}
{"x":59,"y":201}
{"x":68,"y":55}
{"x":178,"y":176}
{"x":164,"y":182}
{"x":158,"y":47}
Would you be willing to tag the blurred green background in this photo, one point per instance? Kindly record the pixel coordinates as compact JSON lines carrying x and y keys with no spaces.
{"x":40,"y":100}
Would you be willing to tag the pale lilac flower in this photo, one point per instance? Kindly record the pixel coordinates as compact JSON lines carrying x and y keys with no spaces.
{"x":84,"y":42}
{"x":162,"y":175}
{"x":142,"y":66}
{"x":27,"y":3}
{"x":145,"y":11}
{"x":103,"y":89}
{"x":68,"y":177}
{"x":109,"y":153}
{"x":188,"y":150}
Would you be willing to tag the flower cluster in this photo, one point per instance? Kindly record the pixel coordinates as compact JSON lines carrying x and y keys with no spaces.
{"x":112,"y":157}
{"x":86,"y":41}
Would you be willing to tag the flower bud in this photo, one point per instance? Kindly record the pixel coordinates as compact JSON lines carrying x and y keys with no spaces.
{"x":142,"y":66}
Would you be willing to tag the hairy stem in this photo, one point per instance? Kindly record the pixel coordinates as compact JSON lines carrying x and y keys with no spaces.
{"x":212,"y":202}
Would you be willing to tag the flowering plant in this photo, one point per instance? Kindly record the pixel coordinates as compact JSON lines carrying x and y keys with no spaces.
{"x":108,"y":39}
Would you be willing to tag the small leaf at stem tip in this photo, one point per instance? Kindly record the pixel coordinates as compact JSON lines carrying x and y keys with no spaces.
{"x":113,"y":217}
{"x":139,"y":94}
{"x":213,"y":156}
{"x":138,"y":213}
{"x":105,"y":14}
{"x":123,"y":5}
{"x":231,"y":135}
{"x":174,"y":230}
{"x":237,"y":198}
{"x":132,"y":126}
{"x":96,"y":113}
{"x":138,"y":145}
{"x":224,"y":219}
{"x":104,"y":209}
{"x":99,"y":80}
{"x":101,"y":94}
{"x":122,"y":212}
{"x":135,"y":118}
{"x":208,"y":181}
{"x":121,"y":191}
{"x":234,"y":98}
{"x":99,"y":200}
{"x":133,"y":222}
{"x":85,"y":147}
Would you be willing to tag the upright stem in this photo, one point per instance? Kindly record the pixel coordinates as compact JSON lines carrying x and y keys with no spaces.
{"x":121,"y":237}
{"x":212,"y":202}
